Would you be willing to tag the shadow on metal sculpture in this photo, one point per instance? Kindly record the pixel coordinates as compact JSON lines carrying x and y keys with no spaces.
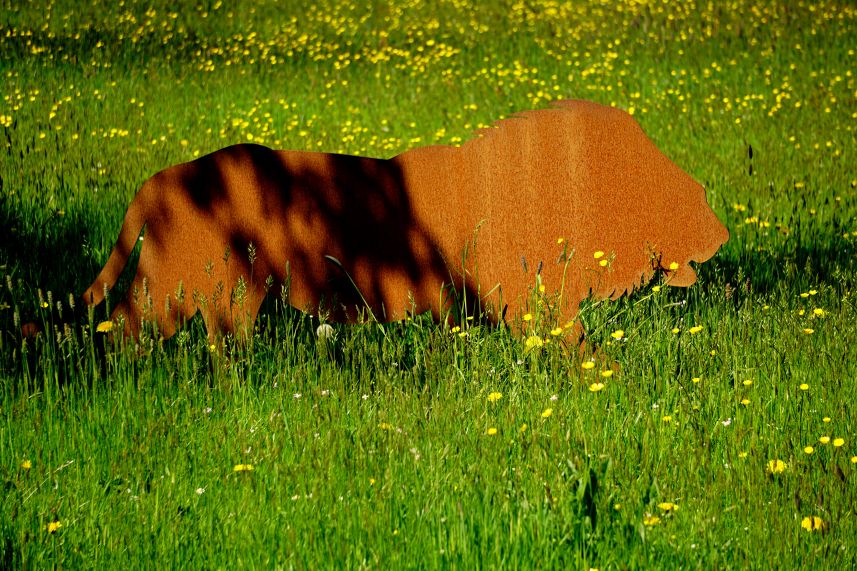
{"x":354,"y":238}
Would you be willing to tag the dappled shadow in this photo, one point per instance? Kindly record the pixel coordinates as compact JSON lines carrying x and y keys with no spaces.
{"x":336,"y":235}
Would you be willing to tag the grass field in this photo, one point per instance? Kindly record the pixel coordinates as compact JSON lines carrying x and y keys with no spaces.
{"x":725,"y":438}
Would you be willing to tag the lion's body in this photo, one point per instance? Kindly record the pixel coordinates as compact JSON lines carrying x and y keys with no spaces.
{"x":402,"y":230}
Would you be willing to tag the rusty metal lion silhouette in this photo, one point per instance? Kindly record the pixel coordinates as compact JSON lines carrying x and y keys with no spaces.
{"x":353,"y":237}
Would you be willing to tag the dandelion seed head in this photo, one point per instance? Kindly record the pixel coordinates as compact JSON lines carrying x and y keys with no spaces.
{"x":324,"y":332}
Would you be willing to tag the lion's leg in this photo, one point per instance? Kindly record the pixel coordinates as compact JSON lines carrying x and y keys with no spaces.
{"x":154,"y":296}
{"x":237,"y":318}
{"x":128,"y":311}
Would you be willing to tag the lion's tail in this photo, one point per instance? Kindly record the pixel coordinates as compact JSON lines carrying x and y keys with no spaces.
{"x":135,"y":219}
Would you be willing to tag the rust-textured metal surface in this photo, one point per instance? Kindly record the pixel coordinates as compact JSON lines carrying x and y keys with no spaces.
{"x":356,"y":237}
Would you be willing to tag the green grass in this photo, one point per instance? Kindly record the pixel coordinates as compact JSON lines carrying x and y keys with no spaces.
{"x":373,"y":450}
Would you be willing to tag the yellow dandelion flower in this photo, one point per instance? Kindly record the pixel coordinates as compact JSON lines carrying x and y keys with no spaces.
{"x":804,"y":295}
{"x":606,"y":374}
{"x":523,"y":427}
{"x":602,"y":263}
{"x":587,"y":365}
{"x":808,"y":450}
{"x":826,"y":419}
{"x":818,"y":311}
{"x":675,"y":331}
{"x":776,"y":467}
{"x":854,"y":459}
{"x":824,"y":440}
{"x":695,"y":329}
{"x":26,"y":465}
{"x":533,"y":342}
{"x":211,"y":348}
{"x":651,"y":520}
{"x":560,"y":240}
{"x":54,"y":526}
{"x":674,"y":266}
{"x":456,"y":329}
{"x":812,"y":523}
{"x":528,"y":316}
{"x":804,"y":387}
{"x":542,"y":288}
{"x":813,"y":292}
{"x":556,"y":331}
{"x":44,"y":305}
{"x":808,"y":331}
{"x":598,"y":254}
{"x":742,"y":455}
{"x":547,"y":412}
{"x":371,"y":481}
{"x":838,"y":442}
{"x":618,"y":334}
{"x":243,"y":468}
{"x":595,"y":387}
{"x":696,"y":379}
{"x":745,"y":401}
{"x":667,"y":418}
{"x":668,"y":506}
{"x":656,"y":289}
{"x":491,"y":431}
{"x":495,"y":396}
{"x":748,"y":382}
{"x":385,"y":426}
{"x":105,"y":327}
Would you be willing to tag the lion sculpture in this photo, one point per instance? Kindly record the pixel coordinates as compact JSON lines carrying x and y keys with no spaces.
{"x":535,"y":199}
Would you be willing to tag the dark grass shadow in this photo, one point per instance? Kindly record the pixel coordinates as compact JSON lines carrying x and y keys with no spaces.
{"x":795,"y":264}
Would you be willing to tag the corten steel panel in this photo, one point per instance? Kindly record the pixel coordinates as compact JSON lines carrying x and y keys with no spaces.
{"x":369,"y":237}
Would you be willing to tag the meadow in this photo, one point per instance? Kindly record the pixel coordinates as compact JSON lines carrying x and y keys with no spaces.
{"x":713,"y":428}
